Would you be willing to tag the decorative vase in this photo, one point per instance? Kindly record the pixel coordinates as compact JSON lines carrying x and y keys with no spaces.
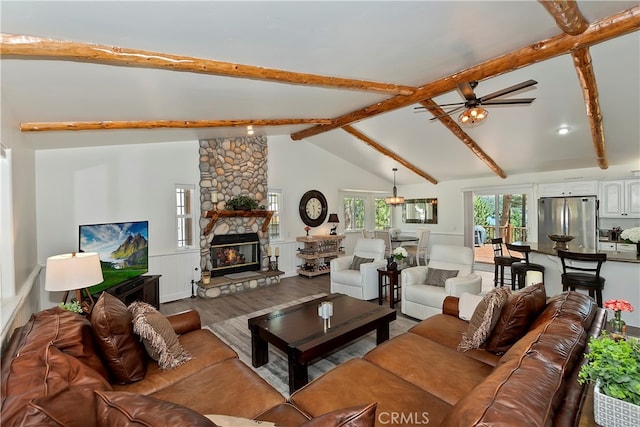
{"x":612,"y":412}
{"x":389,"y":261}
{"x":616,"y":325}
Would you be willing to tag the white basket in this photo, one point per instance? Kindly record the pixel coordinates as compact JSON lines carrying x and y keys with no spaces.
{"x":611,"y":412}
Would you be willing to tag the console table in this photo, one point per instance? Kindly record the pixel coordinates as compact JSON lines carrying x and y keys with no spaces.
{"x":318,"y":250}
{"x":143,"y":288}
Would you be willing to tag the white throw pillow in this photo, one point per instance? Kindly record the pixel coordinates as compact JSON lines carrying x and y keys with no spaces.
{"x":467,"y":305}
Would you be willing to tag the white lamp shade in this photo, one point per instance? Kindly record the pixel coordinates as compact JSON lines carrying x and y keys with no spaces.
{"x":73,"y":271}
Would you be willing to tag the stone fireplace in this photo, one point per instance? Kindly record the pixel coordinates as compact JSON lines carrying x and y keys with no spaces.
{"x":231,"y":167}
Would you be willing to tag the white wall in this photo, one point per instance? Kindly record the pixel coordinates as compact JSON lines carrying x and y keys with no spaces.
{"x":296,"y":167}
{"x":135,"y":182}
{"x":18,"y":298}
{"x":113,"y":184}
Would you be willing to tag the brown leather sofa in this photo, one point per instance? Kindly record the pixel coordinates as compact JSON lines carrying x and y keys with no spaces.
{"x":420,"y":378}
{"x":55,"y":372}
{"x":63,"y":369}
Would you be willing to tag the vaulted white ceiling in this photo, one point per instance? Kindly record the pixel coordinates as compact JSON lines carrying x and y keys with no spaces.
{"x":406,"y":43}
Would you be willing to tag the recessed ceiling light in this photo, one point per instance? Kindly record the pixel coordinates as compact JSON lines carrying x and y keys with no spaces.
{"x":564,"y":130}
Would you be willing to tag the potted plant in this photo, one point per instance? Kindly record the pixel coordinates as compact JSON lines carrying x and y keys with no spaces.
{"x":400,"y":254}
{"x":614,"y":367}
{"x":73,"y":306}
{"x":241,"y":203}
{"x":632,"y":235}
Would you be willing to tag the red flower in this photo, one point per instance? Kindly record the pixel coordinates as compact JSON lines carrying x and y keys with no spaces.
{"x":307,"y":228}
{"x":618,"y":305}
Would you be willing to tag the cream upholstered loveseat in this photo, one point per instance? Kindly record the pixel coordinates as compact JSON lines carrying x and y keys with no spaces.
{"x":362,"y":283}
{"x":420,"y":300}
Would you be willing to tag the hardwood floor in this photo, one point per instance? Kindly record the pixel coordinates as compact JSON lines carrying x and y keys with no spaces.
{"x":232,"y":305}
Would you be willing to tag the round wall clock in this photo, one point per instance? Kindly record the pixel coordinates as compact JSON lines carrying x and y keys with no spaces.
{"x":313,"y":208}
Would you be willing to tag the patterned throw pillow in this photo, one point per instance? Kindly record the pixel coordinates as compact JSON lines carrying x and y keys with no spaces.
{"x":355,"y":263}
{"x":158,"y":336}
{"x":437,"y":277}
{"x":484,"y":319}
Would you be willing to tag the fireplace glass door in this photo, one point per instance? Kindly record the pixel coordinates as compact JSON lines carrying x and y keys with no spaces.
{"x":234,"y":253}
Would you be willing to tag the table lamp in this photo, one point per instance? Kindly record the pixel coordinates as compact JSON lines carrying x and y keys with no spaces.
{"x":333,"y":219}
{"x":74,"y":271}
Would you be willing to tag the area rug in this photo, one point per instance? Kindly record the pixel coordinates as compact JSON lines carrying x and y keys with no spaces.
{"x":236,"y":333}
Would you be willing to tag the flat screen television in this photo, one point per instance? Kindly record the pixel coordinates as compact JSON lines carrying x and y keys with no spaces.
{"x":123,"y":248}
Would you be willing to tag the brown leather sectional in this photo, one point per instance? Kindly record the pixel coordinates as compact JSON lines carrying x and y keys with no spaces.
{"x":54,"y":373}
{"x":421,"y":378}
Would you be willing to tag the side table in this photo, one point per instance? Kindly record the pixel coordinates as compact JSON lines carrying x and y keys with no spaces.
{"x":393,"y":279}
{"x":587,"y":419}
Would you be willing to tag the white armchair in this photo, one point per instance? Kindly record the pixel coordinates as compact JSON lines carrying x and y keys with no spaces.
{"x":362,"y":283}
{"x":420,"y":300}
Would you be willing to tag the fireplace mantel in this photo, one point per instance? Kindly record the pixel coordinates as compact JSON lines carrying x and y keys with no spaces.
{"x":215,"y":215}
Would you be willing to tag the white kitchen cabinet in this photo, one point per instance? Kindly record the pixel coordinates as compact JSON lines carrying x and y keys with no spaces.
{"x":607,"y":246}
{"x":620,"y":199}
{"x":565,"y":189}
{"x":626,"y":247}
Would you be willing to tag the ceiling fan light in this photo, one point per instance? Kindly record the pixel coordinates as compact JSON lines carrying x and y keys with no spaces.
{"x":473,"y":116}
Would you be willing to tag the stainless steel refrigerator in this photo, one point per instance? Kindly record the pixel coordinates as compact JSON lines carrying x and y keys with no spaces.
{"x":574,"y":216}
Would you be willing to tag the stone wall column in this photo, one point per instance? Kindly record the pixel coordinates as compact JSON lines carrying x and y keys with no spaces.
{"x":231,"y":167}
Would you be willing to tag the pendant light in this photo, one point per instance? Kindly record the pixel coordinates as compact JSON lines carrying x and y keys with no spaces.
{"x":395,"y":199}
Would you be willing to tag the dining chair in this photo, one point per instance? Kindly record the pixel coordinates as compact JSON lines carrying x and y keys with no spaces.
{"x":386,"y":236}
{"x":419,"y":251}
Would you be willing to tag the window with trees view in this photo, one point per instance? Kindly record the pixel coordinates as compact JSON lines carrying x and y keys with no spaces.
{"x":501,"y":215}
{"x":365,"y":211}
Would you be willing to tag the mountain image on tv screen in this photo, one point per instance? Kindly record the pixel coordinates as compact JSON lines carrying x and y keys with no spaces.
{"x":123,"y":248}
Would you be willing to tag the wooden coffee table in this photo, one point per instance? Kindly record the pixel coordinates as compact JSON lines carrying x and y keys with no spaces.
{"x":299,"y":332}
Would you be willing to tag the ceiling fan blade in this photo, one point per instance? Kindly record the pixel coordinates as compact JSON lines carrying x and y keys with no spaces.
{"x":439,"y":105}
{"x":466,"y":90}
{"x":455,"y":110}
{"x":509,"y":101}
{"x":509,"y":90}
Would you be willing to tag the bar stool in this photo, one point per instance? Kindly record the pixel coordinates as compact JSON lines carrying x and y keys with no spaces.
{"x":519,"y":268}
{"x":500,"y":261}
{"x":581,"y":276}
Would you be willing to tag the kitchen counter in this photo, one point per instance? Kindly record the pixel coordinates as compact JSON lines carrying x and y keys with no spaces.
{"x":621,"y":272}
{"x":547,"y":248}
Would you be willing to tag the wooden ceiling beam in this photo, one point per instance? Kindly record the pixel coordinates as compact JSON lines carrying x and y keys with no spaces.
{"x":451,"y":124}
{"x":155,"y":124}
{"x":567,"y":15}
{"x":21,"y":46}
{"x":584,"y":68}
{"x":385,"y":151}
{"x":622,"y":23}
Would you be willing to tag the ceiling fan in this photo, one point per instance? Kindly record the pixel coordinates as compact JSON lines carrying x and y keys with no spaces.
{"x":473,"y":112}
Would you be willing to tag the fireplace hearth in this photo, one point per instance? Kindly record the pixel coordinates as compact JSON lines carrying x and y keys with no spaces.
{"x":235,"y":253}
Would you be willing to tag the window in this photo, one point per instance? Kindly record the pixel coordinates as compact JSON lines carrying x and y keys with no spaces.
{"x":184,"y":215}
{"x":6,"y":225}
{"x":354,"y":213}
{"x":383,"y":214}
{"x":365,"y":210}
{"x":274,"y":199}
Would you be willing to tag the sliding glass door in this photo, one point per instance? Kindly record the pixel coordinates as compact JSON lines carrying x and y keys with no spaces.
{"x":500,"y":215}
